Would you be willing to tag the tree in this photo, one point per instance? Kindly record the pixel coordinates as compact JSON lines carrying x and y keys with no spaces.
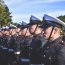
{"x":62,"y":18}
{"x":5,"y":15}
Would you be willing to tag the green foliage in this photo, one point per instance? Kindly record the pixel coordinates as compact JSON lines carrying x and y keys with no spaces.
{"x":62,"y":18}
{"x":5,"y":17}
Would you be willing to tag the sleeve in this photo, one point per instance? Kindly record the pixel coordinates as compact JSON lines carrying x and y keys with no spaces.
{"x":61,"y":56}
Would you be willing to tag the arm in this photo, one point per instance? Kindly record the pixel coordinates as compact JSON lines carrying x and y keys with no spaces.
{"x":61,"y":56}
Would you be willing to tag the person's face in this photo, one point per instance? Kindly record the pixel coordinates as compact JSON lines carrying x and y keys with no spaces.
{"x":4,"y":32}
{"x":18,"y":30}
{"x":38,"y":30}
{"x":27,"y":32}
{"x":32,"y":28}
{"x":46,"y":32}
{"x":24,"y":31}
{"x":7,"y":32}
{"x":10,"y":31}
{"x":13,"y":31}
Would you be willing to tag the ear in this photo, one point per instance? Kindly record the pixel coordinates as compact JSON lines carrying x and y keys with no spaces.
{"x":55,"y":30}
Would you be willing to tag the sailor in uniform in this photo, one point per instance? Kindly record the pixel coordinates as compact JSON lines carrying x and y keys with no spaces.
{"x":54,"y":50}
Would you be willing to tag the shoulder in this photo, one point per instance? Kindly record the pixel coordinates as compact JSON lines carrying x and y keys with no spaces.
{"x":60,"y":46}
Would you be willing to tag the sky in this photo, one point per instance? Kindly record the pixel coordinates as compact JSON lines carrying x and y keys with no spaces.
{"x":23,"y":9}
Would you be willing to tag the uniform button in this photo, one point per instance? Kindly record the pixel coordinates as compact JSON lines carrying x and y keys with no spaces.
{"x":44,"y":56}
{"x":49,"y":58}
{"x":47,"y":47}
{"x":62,"y":41}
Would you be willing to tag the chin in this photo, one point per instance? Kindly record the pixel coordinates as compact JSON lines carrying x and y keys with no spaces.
{"x":45,"y":37}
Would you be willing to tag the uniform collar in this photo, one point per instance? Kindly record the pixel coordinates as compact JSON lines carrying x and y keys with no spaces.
{"x":59,"y":39}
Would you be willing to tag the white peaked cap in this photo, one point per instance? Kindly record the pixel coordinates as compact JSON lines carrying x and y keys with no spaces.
{"x":53,"y":19}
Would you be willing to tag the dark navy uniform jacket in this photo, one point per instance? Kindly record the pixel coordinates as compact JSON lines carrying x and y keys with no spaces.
{"x":54,"y":52}
{"x":63,"y":38}
{"x":36,"y":49}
